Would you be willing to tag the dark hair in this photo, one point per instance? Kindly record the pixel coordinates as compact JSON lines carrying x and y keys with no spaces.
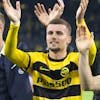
{"x":2,"y":18}
{"x":63,"y":22}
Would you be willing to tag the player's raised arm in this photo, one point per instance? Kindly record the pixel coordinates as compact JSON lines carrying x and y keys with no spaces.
{"x":83,"y":43}
{"x":81,"y":10}
{"x":46,"y":16}
{"x":80,"y":21}
{"x":11,"y":52}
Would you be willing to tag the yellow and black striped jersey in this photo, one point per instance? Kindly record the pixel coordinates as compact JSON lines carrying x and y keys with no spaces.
{"x":55,"y":79}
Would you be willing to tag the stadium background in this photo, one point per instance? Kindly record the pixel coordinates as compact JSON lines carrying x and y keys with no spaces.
{"x":33,"y":33}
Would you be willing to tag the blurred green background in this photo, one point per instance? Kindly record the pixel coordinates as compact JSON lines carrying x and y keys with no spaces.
{"x":87,"y":95}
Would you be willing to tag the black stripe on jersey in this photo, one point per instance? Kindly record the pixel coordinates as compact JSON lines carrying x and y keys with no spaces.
{"x":72,"y":66}
{"x":54,"y":74}
{"x":57,"y":94}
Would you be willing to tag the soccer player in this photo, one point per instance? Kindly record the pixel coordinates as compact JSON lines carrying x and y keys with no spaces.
{"x":54,"y":73}
{"x":12,"y":78}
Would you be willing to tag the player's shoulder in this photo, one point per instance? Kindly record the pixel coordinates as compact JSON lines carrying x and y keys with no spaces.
{"x":73,"y":57}
{"x":73,"y":54}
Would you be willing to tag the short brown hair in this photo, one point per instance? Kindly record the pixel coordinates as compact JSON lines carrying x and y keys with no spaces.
{"x":63,"y":22}
{"x":2,"y":18}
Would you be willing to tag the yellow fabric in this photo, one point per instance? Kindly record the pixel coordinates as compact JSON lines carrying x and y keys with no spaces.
{"x":50,"y":76}
{"x":10,"y":49}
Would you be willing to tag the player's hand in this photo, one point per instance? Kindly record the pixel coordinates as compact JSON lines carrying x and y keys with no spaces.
{"x":14,"y":14}
{"x":57,"y":10}
{"x":41,"y":14}
{"x":81,"y":10}
{"x":44,"y":16}
{"x":83,"y":43}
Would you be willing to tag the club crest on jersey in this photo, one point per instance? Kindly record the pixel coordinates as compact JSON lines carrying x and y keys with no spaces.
{"x":64,"y":72}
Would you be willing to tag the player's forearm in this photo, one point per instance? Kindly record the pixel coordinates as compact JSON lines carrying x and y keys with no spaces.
{"x":92,"y":53}
{"x":85,"y":72}
{"x":11,"y":40}
{"x":93,"y":49}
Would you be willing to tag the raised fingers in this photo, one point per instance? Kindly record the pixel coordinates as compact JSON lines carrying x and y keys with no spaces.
{"x":61,"y":3}
{"x":39,"y":8}
{"x":49,"y":10}
{"x":6,"y":4}
{"x":84,"y":4}
{"x":18,"y":6}
{"x":56,"y":7}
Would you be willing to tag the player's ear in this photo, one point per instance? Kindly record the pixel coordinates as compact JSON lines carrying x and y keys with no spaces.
{"x":69,"y":39}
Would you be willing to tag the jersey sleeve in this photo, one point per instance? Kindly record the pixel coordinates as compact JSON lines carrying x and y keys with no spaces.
{"x":15,"y":55}
{"x":93,"y":50}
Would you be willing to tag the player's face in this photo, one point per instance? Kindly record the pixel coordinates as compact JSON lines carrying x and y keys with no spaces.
{"x":57,"y":37}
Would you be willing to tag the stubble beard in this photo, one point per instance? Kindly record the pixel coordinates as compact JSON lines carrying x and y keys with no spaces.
{"x":54,"y":49}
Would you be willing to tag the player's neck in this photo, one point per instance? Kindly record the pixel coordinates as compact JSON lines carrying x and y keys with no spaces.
{"x":57,"y":55}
